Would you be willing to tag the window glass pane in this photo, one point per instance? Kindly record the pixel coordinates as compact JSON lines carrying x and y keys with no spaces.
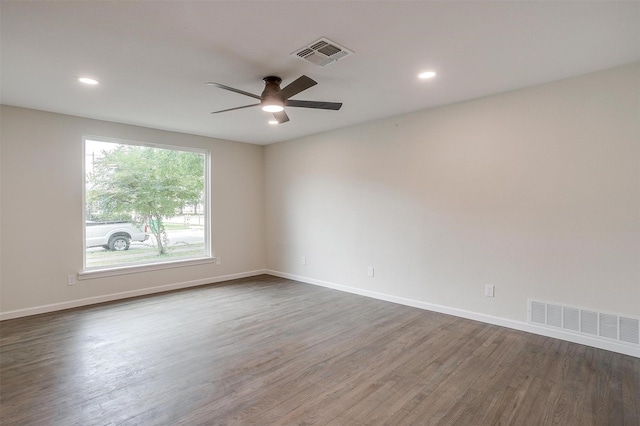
{"x":144,"y":204}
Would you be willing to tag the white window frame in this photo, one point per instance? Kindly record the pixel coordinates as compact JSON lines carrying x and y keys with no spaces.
{"x":135,"y":267}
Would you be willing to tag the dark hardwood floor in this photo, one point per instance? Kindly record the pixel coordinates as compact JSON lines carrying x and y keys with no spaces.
{"x":269,"y":351}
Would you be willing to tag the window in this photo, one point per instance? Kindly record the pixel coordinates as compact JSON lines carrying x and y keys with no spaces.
{"x":144,"y":204}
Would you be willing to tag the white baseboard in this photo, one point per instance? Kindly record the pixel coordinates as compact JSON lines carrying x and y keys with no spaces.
{"x":504,"y":322}
{"x":123,"y":295}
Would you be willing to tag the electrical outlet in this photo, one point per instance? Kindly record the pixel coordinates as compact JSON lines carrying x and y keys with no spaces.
{"x":218,"y":260}
{"x":489,"y":290}
{"x":370,"y":271}
{"x":72,"y":279}
{"x":304,"y":260}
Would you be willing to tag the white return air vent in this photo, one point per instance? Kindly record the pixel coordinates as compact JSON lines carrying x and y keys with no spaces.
{"x":601,"y":325}
{"x":322,"y":52}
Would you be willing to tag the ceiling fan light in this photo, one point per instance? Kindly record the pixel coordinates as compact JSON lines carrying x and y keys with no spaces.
{"x":272,"y":108}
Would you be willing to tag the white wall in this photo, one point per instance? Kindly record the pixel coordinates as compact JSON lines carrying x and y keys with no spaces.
{"x":536,"y":191}
{"x":41,"y":240}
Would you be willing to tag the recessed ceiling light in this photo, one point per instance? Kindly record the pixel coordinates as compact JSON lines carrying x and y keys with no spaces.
{"x":87,"y":80}
{"x":272,"y":122}
{"x":427,"y":74}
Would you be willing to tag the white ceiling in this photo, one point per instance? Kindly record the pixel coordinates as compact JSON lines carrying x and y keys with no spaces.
{"x":153,"y":58}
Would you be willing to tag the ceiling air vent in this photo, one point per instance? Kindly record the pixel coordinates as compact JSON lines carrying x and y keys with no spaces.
{"x":322,"y":52}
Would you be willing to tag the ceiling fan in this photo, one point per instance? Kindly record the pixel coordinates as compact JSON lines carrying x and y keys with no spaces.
{"x":273,"y":99}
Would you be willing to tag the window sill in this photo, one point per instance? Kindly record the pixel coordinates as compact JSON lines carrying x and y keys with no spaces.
{"x":135,"y":269}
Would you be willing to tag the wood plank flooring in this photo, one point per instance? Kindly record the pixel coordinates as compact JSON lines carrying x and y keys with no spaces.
{"x":270,"y":351}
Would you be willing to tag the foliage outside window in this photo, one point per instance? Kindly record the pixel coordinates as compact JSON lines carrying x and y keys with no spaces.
{"x":144,"y":204}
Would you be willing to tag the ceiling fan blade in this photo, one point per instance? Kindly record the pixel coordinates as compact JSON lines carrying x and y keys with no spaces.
{"x":297,"y":86}
{"x":281,"y":117}
{"x":242,"y":92}
{"x":232,"y":109}
{"x":314,"y":104}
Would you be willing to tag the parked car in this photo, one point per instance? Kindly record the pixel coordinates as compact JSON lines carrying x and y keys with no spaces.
{"x":113,"y":235}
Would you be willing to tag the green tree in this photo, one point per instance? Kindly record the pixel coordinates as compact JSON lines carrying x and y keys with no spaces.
{"x":150,"y":184}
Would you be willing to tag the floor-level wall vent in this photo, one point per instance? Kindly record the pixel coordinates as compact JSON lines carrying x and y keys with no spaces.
{"x":585,"y":321}
{"x":571,"y":318}
{"x":608,"y":326}
{"x":554,"y":315}
{"x":588,"y":322}
{"x":630,"y":330}
{"x":538,"y":312}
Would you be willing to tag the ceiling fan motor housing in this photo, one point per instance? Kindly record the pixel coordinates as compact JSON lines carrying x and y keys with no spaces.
{"x":270,"y":93}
